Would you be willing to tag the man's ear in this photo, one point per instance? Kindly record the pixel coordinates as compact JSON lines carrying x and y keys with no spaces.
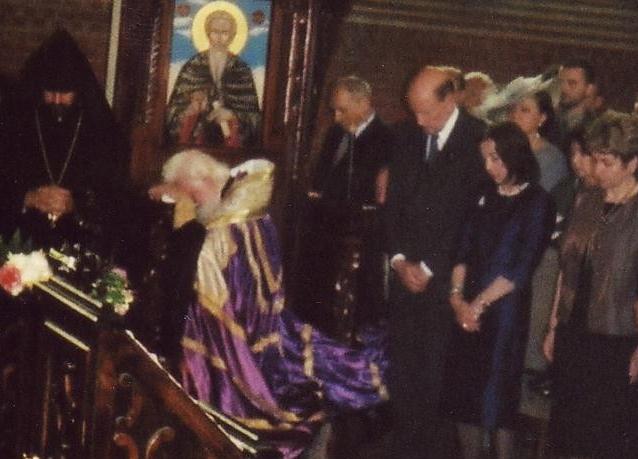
{"x":633,"y":165}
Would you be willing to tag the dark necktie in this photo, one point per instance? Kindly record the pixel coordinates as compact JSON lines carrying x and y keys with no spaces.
{"x":343,"y":149}
{"x":350,"y":159}
{"x":431,"y":148}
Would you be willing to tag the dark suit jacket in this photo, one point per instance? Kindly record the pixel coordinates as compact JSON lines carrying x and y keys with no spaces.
{"x":427,"y":201}
{"x":371,"y":153}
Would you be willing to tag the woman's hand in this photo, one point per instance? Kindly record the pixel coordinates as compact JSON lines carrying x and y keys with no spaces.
{"x":548,"y":345}
{"x":466,"y":316}
{"x":633,"y":367}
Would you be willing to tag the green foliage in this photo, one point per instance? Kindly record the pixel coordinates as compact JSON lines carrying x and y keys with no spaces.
{"x":112,"y":288}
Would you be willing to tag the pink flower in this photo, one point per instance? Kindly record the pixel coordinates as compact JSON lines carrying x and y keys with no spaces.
{"x":10,"y":279}
{"x":121,"y":272}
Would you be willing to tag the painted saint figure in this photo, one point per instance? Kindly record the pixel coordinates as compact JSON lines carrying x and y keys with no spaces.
{"x":214,"y":100}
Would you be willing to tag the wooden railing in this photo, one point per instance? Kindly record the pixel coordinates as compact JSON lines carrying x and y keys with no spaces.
{"x":75,"y":385}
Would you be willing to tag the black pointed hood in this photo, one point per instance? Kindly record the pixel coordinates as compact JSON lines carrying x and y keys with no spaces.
{"x":59,"y":65}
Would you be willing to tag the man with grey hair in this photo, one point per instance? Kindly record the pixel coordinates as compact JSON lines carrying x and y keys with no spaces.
{"x":348,"y":187}
{"x":214,"y":100}
{"x":356,"y":147}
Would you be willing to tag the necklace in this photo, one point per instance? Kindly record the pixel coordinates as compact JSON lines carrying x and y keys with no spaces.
{"x":69,"y":153}
{"x":513,"y":191}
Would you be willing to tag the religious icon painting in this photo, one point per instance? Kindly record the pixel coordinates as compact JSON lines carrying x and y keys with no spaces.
{"x":217,"y":71}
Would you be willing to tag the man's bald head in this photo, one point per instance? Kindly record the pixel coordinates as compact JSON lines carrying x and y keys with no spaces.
{"x":431,"y":98}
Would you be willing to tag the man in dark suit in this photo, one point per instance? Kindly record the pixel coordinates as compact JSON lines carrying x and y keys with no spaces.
{"x":435,"y":173}
{"x":341,"y":280}
{"x":356,"y":148}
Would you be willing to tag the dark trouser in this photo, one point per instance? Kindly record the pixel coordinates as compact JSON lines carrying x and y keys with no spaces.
{"x":595,"y":412}
{"x":419,"y":330}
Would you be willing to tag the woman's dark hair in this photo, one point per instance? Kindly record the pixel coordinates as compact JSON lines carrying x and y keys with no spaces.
{"x":512,"y":146}
{"x":577,"y":135}
{"x":614,"y":133}
{"x":549,"y":129}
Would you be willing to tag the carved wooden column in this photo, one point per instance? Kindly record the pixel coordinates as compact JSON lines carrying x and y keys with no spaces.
{"x":314,"y":25}
{"x":15,"y":343}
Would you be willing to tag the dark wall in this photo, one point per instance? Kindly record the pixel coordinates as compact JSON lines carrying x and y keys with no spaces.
{"x":25,"y":24}
{"x":385,"y":41}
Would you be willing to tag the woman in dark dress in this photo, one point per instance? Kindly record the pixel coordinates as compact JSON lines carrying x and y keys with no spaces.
{"x":506,"y":232}
{"x":593,"y":336}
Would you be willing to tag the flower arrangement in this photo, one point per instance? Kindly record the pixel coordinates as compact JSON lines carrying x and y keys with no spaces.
{"x":112,"y":288}
{"x":24,"y":270}
{"x":21,"y":267}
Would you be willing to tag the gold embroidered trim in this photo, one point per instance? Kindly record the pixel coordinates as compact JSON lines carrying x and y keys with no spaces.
{"x":308,"y":355}
{"x":265,"y":341}
{"x":278,"y":304}
{"x":382,"y":390}
{"x":218,"y":363}
{"x":228,"y":322}
{"x":194,"y":346}
{"x":264,"y":405}
{"x":236,"y":217}
{"x":265,"y":424}
{"x":254,"y":269}
{"x":214,"y":257}
{"x":274,"y":284}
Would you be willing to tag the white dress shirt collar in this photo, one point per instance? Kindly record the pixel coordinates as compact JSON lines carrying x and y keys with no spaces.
{"x":362,"y":127}
{"x":444,"y":133}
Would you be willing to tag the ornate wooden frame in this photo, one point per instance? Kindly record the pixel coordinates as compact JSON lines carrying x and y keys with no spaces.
{"x":142,"y":78}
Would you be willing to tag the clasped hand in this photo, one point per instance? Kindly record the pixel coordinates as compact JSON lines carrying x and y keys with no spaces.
{"x":412,"y":276}
{"x":467,"y":314}
{"x":51,"y":200}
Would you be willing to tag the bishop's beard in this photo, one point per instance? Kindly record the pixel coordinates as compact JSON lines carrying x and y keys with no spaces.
{"x":60,"y":113}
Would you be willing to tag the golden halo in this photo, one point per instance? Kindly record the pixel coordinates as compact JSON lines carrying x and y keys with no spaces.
{"x":200,"y":40}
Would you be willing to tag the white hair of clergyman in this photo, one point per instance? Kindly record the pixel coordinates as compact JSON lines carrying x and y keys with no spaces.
{"x":194,"y":166}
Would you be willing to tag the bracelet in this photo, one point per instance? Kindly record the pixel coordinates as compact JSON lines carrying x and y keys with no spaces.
{"x":456,"y":290}
{"x":482,"y":305}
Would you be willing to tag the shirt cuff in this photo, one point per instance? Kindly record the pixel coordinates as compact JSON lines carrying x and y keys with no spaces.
{"x":400,"y":257}
{"x":426,"y":269}
{"x":396,"y":258}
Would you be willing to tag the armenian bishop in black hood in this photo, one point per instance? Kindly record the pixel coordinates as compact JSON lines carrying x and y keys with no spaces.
{"x":68,"y":173}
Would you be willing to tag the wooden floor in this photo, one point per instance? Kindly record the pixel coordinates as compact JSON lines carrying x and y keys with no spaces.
{"x":365,"y":435}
